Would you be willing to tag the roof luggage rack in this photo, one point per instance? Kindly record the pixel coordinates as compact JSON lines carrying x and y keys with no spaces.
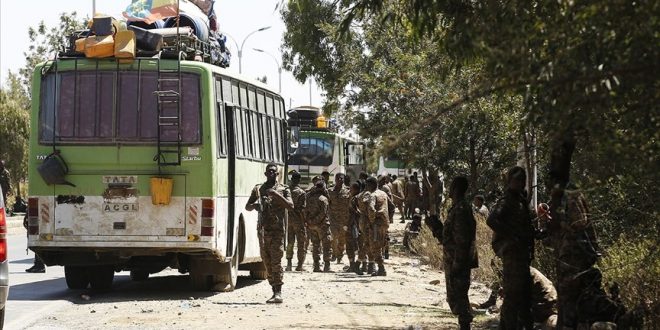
{"x":172,"y":46}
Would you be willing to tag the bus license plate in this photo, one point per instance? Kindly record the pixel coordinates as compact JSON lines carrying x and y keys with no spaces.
{"x":120,"y":207}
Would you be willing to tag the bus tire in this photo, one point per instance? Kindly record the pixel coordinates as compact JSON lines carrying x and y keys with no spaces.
{"x":77,"y":278}
{"x":101,"y":277}
{"x":258,"y":272}
{"x":226,"y":282}
{"x":139,"y":275}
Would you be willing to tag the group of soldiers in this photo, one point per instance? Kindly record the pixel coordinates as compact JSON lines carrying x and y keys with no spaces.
{"x":355,"y":217}
{"x":576,"y":300}
{"x":348,"y":217}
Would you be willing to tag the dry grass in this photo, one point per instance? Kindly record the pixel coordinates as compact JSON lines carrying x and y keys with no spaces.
{"x":428,"y":247}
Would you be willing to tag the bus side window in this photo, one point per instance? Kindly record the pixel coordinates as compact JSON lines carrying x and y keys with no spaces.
{"x":249,"y":133}
{"x":268,"y":133}
{"x":220,"y":121}
{"x":256,"y":138}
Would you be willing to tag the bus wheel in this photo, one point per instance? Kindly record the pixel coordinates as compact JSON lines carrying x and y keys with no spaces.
{"x":226,"y":281}
{"x":258,"y":272}
{"x":139,"y":275}
{"x":100,"y":277}
{"x":77,"y":278}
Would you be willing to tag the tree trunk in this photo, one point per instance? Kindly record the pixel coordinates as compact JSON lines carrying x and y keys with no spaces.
{"x":561,"y":154}
{"x":474,"y":171}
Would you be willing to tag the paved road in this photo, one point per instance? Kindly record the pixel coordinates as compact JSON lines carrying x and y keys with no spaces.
{"x":411,"y":296}
{"x":31,"y":294}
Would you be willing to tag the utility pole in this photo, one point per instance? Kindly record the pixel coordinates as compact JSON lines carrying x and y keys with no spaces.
{"x":310,"y":91}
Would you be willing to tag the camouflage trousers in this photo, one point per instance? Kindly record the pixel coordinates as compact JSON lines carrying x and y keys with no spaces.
{"x":321,"y":239}
{"x":272,"y":250}
{"x":364,"y":242}
{"x":583,"y":300}
{"x":378,"y":242}
{"x":339,"y":238}
{"x":352,"y":243}
{"x":517,"y":285}
{"x":458,"y":284}
{"x":296,"y":235}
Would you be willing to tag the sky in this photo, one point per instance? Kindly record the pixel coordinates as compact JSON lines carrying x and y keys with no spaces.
{"x":237,"y":18}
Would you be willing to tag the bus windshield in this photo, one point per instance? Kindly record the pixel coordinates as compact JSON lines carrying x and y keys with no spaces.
{"x":112,"y":106}
{"x":313,"y":151}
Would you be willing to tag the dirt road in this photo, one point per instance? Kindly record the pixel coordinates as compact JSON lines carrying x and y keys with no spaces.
{"x":404,"y":299}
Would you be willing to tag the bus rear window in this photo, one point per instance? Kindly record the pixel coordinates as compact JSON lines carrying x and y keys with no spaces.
{"x":113,"y":106}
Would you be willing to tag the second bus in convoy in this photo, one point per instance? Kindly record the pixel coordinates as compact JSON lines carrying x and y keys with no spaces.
{"x":321,"y":148}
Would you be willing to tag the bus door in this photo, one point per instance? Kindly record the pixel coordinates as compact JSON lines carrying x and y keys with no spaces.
{"x":231,"y":177}
{"x":354,"y":153}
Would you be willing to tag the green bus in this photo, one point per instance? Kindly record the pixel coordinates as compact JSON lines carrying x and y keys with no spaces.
{"x":321,"y":148}
{"x":149,"y":165}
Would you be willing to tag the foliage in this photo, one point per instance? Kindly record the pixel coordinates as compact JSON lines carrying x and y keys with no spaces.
{"x":45,"y":42}
{"x":14,"y":128}
{"x":388,"y":85}
{"x":583,"y":75}
{"x":15,"y":97}
{"x":634,"y":265}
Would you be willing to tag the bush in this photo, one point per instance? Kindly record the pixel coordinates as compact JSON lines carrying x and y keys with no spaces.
{"x":428,"y":246}
{"x":634,"y":265}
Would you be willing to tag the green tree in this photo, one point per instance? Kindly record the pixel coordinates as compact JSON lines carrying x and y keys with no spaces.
{"x":46,"y":42}
{"x":15,"y":95}
{"x":388,"y":85}
{"x":14,"y":128}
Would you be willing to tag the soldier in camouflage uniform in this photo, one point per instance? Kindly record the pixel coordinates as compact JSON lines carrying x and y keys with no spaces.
{"x":582,"y":299}
{"x":378,"y":214}
{"x":339,"y":198}
{"x":353,"y":227}
{"x":318,"y":224}
{"x":513,"y":242}
{"x":460,"y":254}
{"x":413,"y":193}
{"x":272,"y":200}
{"x":398,"y":196}
{"x":5,"y":181}
{"x":364,"y":241}
{"x":296,"y":229}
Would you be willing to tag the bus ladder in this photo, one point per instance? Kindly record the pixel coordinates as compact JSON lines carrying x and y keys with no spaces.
{"x":169,"y":115}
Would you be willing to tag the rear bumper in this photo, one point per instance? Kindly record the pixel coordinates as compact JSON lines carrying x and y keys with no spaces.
{"x":112,"y":242}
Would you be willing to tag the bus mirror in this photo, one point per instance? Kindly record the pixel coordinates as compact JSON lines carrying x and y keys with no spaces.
{"x":294,"y":138}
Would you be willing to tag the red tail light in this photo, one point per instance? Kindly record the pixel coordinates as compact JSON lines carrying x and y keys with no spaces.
{"x":3,"y":233}
{"x":208,"y":212}
{"x":33,"y":216}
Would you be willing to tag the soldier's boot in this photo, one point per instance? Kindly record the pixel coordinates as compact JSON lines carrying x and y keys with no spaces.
{"x":386,"y":254}
{"x":317,"y":266}
{"x":277,"y":295}
{"x":37,"y":267}
{"x":360,"y":270}
{"x":464,"y":325}
{"x":326,"y":267}
{"x":370,"y":268}
{"x":288,"y":265}
{"x":339,"y":259}
{"x":380,"y":272}
{"x":300,"y":268}
{"x":465,"y":321}
{"x":492,"y":300}
{"x":353,"y":267}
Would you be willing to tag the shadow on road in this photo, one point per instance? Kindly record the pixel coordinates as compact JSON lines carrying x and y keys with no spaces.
{"x":27,"y":261}
{"x":171,"y":287}
{"x":53,"y":289}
